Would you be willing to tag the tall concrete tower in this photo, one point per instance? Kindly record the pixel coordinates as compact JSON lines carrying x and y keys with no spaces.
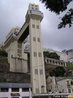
{"x":33,"y":18}
{"x":16,"y":55}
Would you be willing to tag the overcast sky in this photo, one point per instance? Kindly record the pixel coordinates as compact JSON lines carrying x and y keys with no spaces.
{"x":12,"y":14}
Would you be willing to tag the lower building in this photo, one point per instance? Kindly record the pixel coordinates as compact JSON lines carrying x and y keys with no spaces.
{"x":60,"y":85}
{"x":65,"y":85}
{"x":15,"y":90}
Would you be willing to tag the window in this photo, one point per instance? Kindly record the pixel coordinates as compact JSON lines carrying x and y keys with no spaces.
{"x":11,"y":56}
{"x":47,"y":60}
{"x":36,"y":8}
{"x":56,"y":62}
{"x":25,"y":89}
{"x":19,"y":45}
{"x":15,"y":89}
{"x":19,"y":51}
{"x":36,"y":71}
{"x":4,"y":89}
{"x":61,"y":63}
{"x":42,"y":89}
{"x":67,"y":82}
{"x":39,"y":54}
{"x":50,"y":61}
{"x":71,"y":82}
{"x":32,"y":6}
{"x":37,"y":26}
{"x":34,"y":39}
{"x":38,"y":39}
{"x":53,"y":61}
{"x":41,"y":71}
{"x":35,"y":54}
{"x":69,"y":90}
{"x":33,"y":26}
{"x":37,"y":90}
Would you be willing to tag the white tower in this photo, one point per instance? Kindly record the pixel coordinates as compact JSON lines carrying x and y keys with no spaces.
{"x":33,"y":18}
{"x":16,"y":56}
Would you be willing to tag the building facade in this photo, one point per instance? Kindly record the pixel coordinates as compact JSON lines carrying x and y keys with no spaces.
{"x":60,"y":85}
{"x":15,"y":90}
{"x":65,"y":85}
{"x":14,"y":44}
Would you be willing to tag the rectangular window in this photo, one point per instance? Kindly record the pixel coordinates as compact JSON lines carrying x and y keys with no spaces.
{"x":25,"y":89}
{"x":37,"y":26}
{"x":4,"y":89}
{"x":35,"y":54}
{"x":42,"y":89}
{"x":69,"y":90}
{"x":39,"y":54}
{"x":34,"y":39}
{"x":15,"y":89}
{"x":41,"y":71}
{"x":37,"y":90}
{"x":19,"y":51}
{"x":67,"y":82}
{"x":33,"y":26}
{"x":36,"y":71}
{"x":38,"y":39}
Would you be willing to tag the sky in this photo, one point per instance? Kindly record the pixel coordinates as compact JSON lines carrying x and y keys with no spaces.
{"x":12,"y":14}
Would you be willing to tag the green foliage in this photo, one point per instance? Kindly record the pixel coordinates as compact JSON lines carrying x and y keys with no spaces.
{"x":69,"y":66}
{"x":58,"y":72}
{"x":66,"y":19}
{"x":58,"y":6}
{"x":51,"y":55}
{"x":3,"y":53}
{"x":69,"y":69}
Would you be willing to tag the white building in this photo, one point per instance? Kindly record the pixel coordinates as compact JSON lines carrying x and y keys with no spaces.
{"x":14,"y":46}
{"x":60,"y":85}
{"x":65,"y":85}
{"x":15,"y":90}
{"x":51,"y":84}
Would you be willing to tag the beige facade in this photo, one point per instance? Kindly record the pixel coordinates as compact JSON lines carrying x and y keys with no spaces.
{"x":65,"y":85}
{"x":36,"y":61}
{"x":51,"y":84}
{"x":14,"y":45}
{"x":14,"y":50}
{"x":60,"y":85}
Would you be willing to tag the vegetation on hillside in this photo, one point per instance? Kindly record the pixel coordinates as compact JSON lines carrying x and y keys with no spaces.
{"x":3,"y":53}
{"x":51,"y":55}
{"x":58,"y":72}
{"x":69,"y":66}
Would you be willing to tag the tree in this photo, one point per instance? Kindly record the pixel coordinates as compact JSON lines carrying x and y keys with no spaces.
{"x":69,"y":66}
{"x":69,"y":69}
{"x":58,"y":72}
{"x":3,"y":53}
{"x":59,"y":6}
{"x":51,"y":55}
